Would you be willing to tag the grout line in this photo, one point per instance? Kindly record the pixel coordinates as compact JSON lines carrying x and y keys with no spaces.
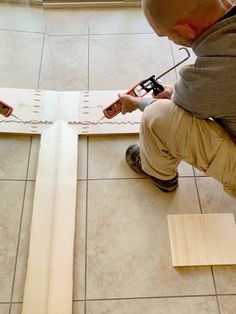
{"x":114,"y":179}
{"x":198,"y":196}
{"x":66,"y":35}
{"x":212,"y":272}
{"x":214,"y":282}
{"x":20,"y":227}
{"x":1,"y":303}
{"x":143,"y":298}
{"x":125,"y":178}
{"x":18,"y":180}
{"x":88,"y":56}
{"x":86,"y":231}
{"x":41,"y":59}
{"x":96,"y":34}
{"x":120,"y":34}
{"x":19,"y":31}
{"x":150,"y":298}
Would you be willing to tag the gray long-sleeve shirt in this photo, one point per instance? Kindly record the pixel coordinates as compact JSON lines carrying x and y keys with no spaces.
{"x":208,"y":87}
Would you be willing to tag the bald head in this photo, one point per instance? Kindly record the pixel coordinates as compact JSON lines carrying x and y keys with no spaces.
{"x":165,"y":17}
{"x":169,"y":11}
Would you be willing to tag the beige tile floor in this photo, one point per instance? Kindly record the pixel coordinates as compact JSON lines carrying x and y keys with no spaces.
{"x":122,"y":252}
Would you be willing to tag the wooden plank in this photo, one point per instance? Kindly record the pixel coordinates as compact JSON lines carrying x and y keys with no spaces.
{"x":61,"y":105}
{"x":208,"y":239}
{"x":186,"y":238}
{"x":49,"y":283}
{"x":82,"y":110}
{"x":28,"y":105}
{"x":91,"y":108}
{"x":220,"y":238}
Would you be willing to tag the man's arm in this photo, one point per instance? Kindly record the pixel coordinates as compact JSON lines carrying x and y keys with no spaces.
{"x":131,"y":103}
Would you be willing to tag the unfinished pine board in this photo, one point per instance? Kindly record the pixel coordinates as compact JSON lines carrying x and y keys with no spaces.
{"x":27,"y":104}
{"x":61,"y":105}
{"x":81,"y":110}
{"x":202,"y":239}
{"x":49,"y":280}
{"x":91,"y":106}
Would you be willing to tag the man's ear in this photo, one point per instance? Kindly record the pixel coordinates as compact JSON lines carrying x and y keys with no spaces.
{"x":186,"y":30}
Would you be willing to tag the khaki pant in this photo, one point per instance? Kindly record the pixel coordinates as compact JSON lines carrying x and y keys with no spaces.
{"x":169,"y":134}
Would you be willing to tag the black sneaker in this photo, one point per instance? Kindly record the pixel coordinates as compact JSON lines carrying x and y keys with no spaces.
{"x":134,"y":161}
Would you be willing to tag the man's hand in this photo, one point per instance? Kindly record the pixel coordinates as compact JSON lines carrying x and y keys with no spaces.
{"x":129,"y":103}
{"x":166,"y":94}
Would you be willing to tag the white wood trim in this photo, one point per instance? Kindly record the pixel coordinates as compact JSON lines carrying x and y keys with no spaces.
{"x":49,"y":280}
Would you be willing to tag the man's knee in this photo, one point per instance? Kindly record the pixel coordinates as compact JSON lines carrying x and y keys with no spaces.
{"x":158,"y":115}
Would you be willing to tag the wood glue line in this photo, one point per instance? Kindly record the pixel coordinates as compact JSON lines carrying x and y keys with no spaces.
{"x":27,"y":121}
{"x":104,"y":122}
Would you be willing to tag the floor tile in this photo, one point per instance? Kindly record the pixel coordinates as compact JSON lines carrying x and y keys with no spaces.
{"x":65,"y":73}
{"x":227,"y":304}
{"x":201,"y":305}
{"x":225,"y":279}
{"x":78,"y":308}
{"x":34,"y":153}
{"x":124,"y":60}
{"x":80,"y":21}
{"x":67,"y":21}
{"x":107,"y":156}
{"x":213,"y":198}
{"x":11,"y":199}
{"x":16,"y":309}
{"x":185,"y":169}
{"x":4,"y":308}
{"x":128,"y":243}
{"x":79,"y":257}
{"x":120,"y":20}
{"x":14,"y":155}
{"x":22,"y":257}
{"x":20,"y":59}
{"x":21,"y":17}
